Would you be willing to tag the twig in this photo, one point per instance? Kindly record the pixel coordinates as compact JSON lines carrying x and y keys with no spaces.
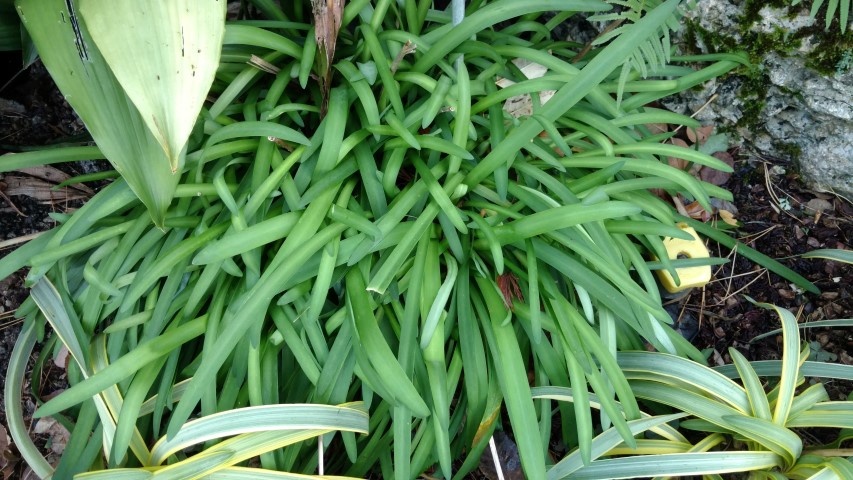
{"x":774,"y":197}
{"x":18,"y":240}
{"x":697,"y":112}
{"x":586,"y":49}
{"x":9,"y":201}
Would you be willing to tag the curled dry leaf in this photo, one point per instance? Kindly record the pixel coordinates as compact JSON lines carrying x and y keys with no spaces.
{"x":727,"y":217}
{"x":61,"y":359}
{"x":818,"y":205}
{"x":656,"y":128}
{"x":700,"y":135}
{"x":53,"y":175}
{"x":328,"y":15}
{"x":29,"y":474}
{"x":695,"y":210}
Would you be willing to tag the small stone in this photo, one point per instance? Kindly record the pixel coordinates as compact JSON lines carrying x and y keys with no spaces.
{"x":787,"y":294}
{"x":816,"y":205}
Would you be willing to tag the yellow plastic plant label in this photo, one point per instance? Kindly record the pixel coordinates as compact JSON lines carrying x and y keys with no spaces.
{"x":690,"y":276}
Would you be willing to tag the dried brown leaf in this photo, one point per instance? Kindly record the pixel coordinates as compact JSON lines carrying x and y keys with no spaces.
{"x":522,"y":105}
{"x":700,"y":135}
{"x":727,"y":217}
{"x":58,"y":434}
{"x":678,"y":163}
{"x":8,"y":457}
{"x":328,"y":15}
{"x":695,"y":210}
{"x":656,"y":128}
{"x":714,"y":176}
{"x":61,"y":359}
{"x":818,"y":205}
{"x":41,"y":190}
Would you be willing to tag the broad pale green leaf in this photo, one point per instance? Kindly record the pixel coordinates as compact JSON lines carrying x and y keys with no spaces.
{"x":604,"y":442}
{"x":668,"y":367}
{"x":779,"y":440}
{"x":13,"y":404}
{"x":838,"y":255}
{"x":676,"y":464}
{"x":349,"y":417}
{"x":773,"y":368}
{"x":164,"y":55}
{"x":85,"y":79}
{"x":49,"y":302}
{"x":790,"y":362}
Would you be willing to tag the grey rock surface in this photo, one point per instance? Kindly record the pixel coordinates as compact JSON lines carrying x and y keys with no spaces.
{"x":803,"y":110}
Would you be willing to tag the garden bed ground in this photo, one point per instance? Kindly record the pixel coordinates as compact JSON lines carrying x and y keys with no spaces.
{"x":779,"y":217}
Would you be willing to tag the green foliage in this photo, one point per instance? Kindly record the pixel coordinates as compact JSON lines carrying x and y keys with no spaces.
{"x":386,"y":235}
{"x":743,"y":427}
{"x":840,"y":7}
{"x":654,"y":52}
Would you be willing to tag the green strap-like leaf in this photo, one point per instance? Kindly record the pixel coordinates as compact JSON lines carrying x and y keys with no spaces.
{"x":676,"y":464}
{"x":257,"y":419}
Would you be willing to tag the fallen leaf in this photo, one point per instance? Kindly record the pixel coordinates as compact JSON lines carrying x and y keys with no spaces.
{"x":787,"y":294}
{"x":522,"y":105}
{"x":697,"y":211}
{"x":727,"y":217}
{"x":724,"y":205}
{"x":714,"y":176}
{"x":655,"y":128}
{"x":58,"y":434}
{"x":714,"y":144}
{"x":8,"y":458}
{"x":40,"y":190}
{"x":699,"y":135}
{"x":29,"y":474}
{"x":678,"y":163}
{"x":54,"y":175}
{"x":61,"y":359}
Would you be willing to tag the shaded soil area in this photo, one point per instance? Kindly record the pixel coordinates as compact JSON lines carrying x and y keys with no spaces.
{"x":779,"y":216}
{"x":783,"y":219}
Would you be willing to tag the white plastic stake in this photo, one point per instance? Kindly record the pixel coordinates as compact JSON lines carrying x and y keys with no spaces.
{"x":495,"y":458}
{"x":321,"y":468}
